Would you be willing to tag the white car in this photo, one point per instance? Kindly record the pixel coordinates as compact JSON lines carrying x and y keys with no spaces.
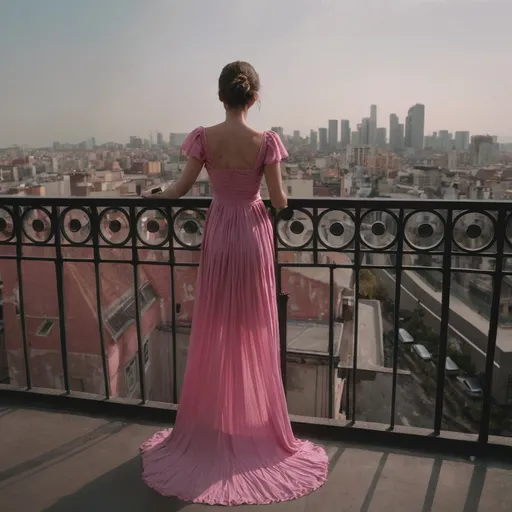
{"x":404,"y":336}
{"x":451,"y":367}
{"x":472,"y":387}
{"x":422,"y":352}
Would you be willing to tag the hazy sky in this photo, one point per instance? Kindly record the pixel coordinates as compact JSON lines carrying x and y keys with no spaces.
{"x":72,"y":69}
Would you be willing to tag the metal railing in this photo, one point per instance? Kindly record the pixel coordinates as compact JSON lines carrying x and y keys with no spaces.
{"x":329,"y":234}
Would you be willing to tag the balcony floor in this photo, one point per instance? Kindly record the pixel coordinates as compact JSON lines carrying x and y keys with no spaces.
{"x":59,"y":462}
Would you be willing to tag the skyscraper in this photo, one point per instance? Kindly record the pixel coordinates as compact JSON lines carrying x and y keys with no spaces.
{"x":364,"y":138}
{"x":393,"y":132}
{"x":462,"y":141}
{"x":333,"y":134}
{"x":322,"y":135}
{"x":313,"y":139}
{"x":445,"y":139}
{"x":400,"y":138}
{"x":483,"y":149}
{"x":355,"y":138}
{"x":415,"y":127}
{"x":345,"y":133}
{"x":159,"y":139}
{"x":373,"y":125}
{"x":380,"y":138}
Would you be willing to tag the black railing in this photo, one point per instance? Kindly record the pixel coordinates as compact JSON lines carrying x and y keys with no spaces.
{"x":391,"y":241}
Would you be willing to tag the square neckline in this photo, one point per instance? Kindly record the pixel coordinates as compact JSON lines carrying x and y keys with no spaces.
{"x":209,"y":158}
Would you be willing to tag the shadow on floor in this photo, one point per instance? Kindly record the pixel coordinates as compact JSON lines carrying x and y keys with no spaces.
{"x":121,"y":489}
{"x":61,"y":453}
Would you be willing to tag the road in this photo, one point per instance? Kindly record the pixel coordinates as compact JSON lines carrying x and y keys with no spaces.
{"x":413,"y":406}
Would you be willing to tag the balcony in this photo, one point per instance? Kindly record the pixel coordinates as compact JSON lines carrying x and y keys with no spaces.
{"x":97,"y":299}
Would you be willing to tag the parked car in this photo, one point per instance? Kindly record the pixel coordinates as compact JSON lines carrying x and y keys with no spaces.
{"x":451,"y":367}
{"x":404,"y":336}
{"x":472,"y":387}
{"x":422,"y":352}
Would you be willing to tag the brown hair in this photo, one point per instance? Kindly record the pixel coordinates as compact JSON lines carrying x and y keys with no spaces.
{"x":238,"y":84}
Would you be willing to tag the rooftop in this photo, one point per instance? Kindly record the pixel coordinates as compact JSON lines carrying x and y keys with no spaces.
{"x":80,"y":464}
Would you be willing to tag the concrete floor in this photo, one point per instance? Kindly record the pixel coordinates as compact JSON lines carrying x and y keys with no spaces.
{"x":57,"y":462}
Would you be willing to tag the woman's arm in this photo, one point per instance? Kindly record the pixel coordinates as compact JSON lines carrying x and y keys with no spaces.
{"x":184,"y":184}
{"x":275,"y":185}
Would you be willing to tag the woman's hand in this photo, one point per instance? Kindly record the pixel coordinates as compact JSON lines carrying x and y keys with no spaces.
{"x":152,"y":193}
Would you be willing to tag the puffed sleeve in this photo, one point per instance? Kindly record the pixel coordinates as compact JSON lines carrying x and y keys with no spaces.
{"x":275,"y":151}
{"x":193,"y":145}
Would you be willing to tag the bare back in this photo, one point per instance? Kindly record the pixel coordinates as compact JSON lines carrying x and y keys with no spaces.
{"x":233,"y":146}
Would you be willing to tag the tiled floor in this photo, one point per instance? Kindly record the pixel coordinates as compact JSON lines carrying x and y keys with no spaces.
{"x":56,"y":462}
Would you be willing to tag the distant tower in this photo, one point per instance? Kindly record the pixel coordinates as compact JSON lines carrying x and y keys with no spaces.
{"x":333,"y":134}
{"x":415,"y":127}
{"x":345,"y":133}
{"x":373,"y":125}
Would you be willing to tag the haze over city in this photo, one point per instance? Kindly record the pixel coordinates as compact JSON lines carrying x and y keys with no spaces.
{"x":72,"y":70}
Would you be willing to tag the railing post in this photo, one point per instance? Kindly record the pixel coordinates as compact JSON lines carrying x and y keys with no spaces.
{"x":501,"y":227}
{"x":445,"y":318}
{"x":59,"y":272}
{"x":331,"y":342}
{"x":357,"y":272}
{"x":97,"y":258}
{"x":396,"y":316}
{"x":282,"y":311}
{"x":136,"y":286}
{"x":17,"y":212}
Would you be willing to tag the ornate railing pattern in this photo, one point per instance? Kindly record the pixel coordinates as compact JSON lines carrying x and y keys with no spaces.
{"x":388,"y":237}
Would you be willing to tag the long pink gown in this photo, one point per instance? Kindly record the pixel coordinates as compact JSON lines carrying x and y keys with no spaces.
{"x":232,"y":442}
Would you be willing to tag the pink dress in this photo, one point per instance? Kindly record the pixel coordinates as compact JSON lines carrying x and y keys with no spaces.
{"x":232,"y":442}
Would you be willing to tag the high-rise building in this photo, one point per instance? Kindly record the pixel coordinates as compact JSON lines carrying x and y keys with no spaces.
{"x":400,"y":139}
{"x":365,"y":131}
{"x":355,"y":138}
{"x":484,"y":149}
{"x":415,"y":127}
{"x":159,"y":139}
{"x":445,"y":140}
{"x":345,"y":133}
{"x":296,"y":137}
{"x":393,"y":132}
{"x":462,"y":141}
{"x":380,"y":138}
{"x":333,"y":134}
{"x":373,"y":124}
{"x":322,"y":135}
{"x":313,"y":140}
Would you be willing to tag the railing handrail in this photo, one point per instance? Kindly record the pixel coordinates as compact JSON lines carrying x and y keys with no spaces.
{"x":297,"y":202}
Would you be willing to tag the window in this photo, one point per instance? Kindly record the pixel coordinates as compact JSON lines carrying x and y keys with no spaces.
{"x":125,"y":313}
{"x":146,"y":295}
{"x":45,"y":328}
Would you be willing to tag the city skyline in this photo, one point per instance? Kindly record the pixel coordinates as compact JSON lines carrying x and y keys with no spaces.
{"x":79,"y":71}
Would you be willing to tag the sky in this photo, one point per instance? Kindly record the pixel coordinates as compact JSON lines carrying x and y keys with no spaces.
{"x":74,"y":69}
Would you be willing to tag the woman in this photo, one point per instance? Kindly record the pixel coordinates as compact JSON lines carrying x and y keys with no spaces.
{"x":232,"y":442}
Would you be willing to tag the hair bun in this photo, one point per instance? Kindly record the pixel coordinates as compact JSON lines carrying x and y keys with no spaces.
{"x":241,"y":84}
